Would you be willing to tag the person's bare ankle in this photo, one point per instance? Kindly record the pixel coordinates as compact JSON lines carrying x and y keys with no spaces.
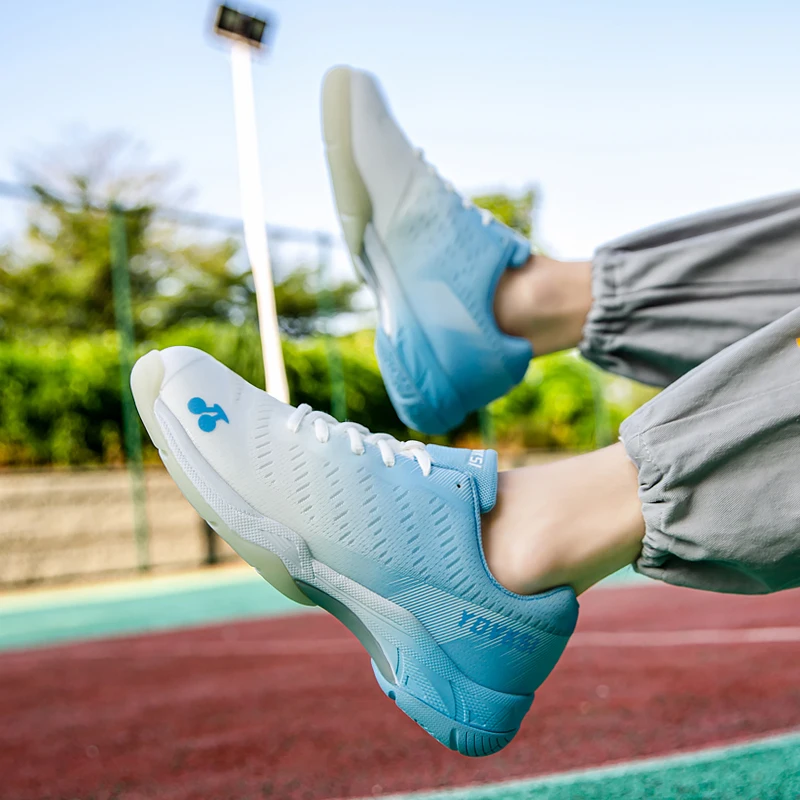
{"x":520,"y":551}
{"x":545,"y":301}
{"x":569,"y":523}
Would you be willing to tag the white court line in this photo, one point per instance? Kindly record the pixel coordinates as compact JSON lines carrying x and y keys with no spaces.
{"x":677,"y":638}
{"x":95,"y":651}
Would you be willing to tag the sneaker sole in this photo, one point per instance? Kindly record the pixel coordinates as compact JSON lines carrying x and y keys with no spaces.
{"x":352,"y":200}
{"x":392,"y":636}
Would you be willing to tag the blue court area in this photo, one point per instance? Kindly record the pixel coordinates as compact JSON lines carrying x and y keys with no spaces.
{"x":31,"y":618}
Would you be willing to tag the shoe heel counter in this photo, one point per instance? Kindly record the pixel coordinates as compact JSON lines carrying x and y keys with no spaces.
{"x":508,"y":655}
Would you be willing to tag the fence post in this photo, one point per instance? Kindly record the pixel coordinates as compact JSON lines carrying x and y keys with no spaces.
{"x":486,"y":425}
{"x":123,"y":315}
{"x":325,"y":301}
{"x":210,"y":536}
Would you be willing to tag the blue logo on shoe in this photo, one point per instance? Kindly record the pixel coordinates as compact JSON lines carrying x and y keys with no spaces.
{"x":496,"y":632}
{"x":210,"y":415}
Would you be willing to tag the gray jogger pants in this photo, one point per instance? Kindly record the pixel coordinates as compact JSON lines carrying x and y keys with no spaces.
{"x":667,"y":298}
{"x":714,"y":298}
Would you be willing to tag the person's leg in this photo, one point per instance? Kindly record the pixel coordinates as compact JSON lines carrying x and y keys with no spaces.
{"x":668,"y":298}
{"x":461,"y":585}
{"x":568,"y":523}
{"x":464,"y":305}
{"x":546,"y":302}
{"x":702,"y":491}
{"x":654,"y":304}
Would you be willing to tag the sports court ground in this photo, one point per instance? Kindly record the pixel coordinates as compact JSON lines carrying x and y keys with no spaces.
{"x":214,"y":686}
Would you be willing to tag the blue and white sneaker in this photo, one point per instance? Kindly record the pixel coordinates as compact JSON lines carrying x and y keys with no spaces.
{"x":385,"y":535}
{"x":432,"y":259}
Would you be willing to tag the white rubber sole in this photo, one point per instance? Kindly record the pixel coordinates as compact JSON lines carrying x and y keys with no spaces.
{"x":352,"y":199}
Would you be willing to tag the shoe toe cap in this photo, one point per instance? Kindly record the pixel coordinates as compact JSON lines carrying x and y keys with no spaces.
{"x":209,"y":409}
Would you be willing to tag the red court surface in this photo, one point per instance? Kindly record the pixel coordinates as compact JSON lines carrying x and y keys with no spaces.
{"x":288,"y":707}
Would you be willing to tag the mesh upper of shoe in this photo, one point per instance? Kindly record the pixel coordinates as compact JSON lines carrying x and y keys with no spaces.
{"x":413,"y":539}
{"x":447,"y":264}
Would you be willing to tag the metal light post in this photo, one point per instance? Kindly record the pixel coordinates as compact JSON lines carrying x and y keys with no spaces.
{"x":248,"y":33}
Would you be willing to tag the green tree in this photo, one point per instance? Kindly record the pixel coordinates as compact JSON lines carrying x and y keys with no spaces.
{"x":514,"y":211}
{"x":301,"y":301}
{"x":57,"y":280}
{"x":62,"y":280}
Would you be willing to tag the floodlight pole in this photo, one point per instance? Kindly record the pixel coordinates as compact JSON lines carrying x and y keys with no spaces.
{"x":255,"y":229}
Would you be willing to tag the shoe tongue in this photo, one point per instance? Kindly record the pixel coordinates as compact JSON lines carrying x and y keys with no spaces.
{"x":481,"y":465}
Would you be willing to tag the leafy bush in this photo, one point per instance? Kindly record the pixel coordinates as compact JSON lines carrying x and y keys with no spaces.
{"x":60,"y":401}
{"x":565,"y":403}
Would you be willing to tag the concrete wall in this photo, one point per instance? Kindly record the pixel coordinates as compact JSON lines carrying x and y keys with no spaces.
{"x":59,"y":525}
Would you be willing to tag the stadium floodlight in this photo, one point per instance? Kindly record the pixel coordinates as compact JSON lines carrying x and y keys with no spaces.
{"x":247,"y":33}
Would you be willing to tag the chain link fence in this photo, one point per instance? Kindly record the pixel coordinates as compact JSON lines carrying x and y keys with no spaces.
{"x":89,"y":520}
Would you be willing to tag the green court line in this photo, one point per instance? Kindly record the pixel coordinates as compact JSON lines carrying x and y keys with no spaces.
{"x":29,"y":619}
{"x":765,"y":768}
{"x":137,"y":607}
{"x":625,"y":577}
{"x":125,"y":588}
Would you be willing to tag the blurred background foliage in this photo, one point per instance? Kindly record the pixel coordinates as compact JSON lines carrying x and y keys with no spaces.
{"x":60,"y":397}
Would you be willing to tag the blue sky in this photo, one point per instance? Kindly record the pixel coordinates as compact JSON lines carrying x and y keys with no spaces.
{"x":625,"y":113}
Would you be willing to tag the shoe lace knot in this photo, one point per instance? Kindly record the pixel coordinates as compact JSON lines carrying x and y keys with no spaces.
{"x":360,"y":436}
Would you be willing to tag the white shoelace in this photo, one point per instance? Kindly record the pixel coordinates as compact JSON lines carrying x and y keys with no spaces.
{"x":359,"y":436}
{"x":486,"y":215}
